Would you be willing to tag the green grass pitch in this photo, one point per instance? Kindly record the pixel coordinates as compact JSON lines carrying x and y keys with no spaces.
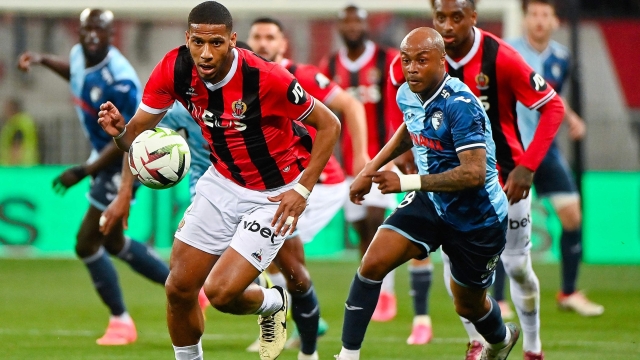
{"x":48,"y":310}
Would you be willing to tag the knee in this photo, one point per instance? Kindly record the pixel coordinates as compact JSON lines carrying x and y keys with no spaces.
{"x":113,"y":247}
{"x":518,"y":268}
{"x":372,"y":267}
{"x":84,"y":249}
{"x":570,"y":216}
{"x":298,"y":283}
{"x":179,"y":291}
{"x":219,"y":297}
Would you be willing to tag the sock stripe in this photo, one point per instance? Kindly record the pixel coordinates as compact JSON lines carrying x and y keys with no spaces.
{"x":94,"y":257}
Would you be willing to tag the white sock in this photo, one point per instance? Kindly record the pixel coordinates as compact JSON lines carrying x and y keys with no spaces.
{"x":422,"y":320}
{"x":271,"y":303}
{"x":125,"y":318}
{"x":525,"y":295}
{"x":388,"y":283}
{"x":278,"y":279}
{"x":191,"y":352}
{"x":474,"y":335}
{"x":349,"y":354}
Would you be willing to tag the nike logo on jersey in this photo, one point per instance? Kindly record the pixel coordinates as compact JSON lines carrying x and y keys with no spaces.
{"x":462,"y":98}
{"x":349,"y":307}
{"x":310,"y":314}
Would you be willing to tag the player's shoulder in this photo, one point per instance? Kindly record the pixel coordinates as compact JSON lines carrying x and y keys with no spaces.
{"x":456,"y":94}
{"x":505,"y":51}
{"x":255,"y":61}
{"x":121,"y":68}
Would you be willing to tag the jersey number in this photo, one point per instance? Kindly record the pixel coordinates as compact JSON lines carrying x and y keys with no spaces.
{"x":484,"y":99}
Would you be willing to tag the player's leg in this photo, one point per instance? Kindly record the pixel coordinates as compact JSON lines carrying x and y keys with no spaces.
{"x":121,"y":329}
{"x":141,"y":258}
{"x":420,"y":274}
{"x":523,"y":282}
{"x":497,"y":292}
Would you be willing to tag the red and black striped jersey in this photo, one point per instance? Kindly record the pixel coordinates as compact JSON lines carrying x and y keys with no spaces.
{"x":500,"y":77}
{"x":365,"y":79}
{"x":323,"y":89}
{"x":251,"y":119}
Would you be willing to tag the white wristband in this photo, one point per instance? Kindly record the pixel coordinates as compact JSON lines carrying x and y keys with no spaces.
{"x":410,"y":182}
{"x":303,"y":191}
{"x":121,"y":134}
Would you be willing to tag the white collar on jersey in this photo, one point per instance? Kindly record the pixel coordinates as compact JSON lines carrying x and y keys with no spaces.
{"x":285,"y":62}
{"x":354,"y":66}
{"x":101,"y":63}
{"x":474,"y":50}
{"x":436,"y":93}
{"x":225,"y":81}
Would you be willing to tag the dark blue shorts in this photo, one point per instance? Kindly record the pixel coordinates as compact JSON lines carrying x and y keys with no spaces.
{"x":104,"y":188}
{"x":554,"y":175}
{"x":474,"y":254}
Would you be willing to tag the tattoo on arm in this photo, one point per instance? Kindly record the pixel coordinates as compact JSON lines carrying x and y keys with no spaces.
{"x":469,"y":174}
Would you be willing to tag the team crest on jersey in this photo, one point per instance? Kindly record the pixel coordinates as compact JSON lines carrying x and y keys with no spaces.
{"x":373,"y":76}
{"x":556,"y":70}
{"x":482,"y":81}
{"x":493,"y":263}
{"x":238,"y":108}
{"x":95,"y":94}
{"x":436,"y":120}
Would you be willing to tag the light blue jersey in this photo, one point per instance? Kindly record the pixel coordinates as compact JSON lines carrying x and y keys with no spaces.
{"x":553,"y":64}
{"x":178,"y":118}
{"x":451,"y":121}
{"x":113,"y":79}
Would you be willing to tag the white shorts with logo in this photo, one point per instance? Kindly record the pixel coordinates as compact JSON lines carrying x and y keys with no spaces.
{"x":225,"y":214}
{"x":519,"y":229}
{"x":324,"y":203}
{"x":374,"y":198}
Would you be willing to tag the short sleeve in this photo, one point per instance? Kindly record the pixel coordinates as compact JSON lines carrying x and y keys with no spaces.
{"x":282,"y":95}
{"x":467,"y":122}
{"x":530,"y":88}
{"x":124,"y":95}
{"x":316,"y":83}
{"x":158,"y":94}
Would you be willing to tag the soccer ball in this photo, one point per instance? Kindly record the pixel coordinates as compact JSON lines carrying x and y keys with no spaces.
{"x":159,"y":158}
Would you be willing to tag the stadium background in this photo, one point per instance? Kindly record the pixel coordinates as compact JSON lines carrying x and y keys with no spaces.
{"x":37,"y":224}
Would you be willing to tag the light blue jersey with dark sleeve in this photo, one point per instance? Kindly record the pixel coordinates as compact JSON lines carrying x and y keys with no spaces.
{"x":178,"y":118}
{"x":113,"y":79}
{"x":452,"y":121}
{"x":553,"y":65}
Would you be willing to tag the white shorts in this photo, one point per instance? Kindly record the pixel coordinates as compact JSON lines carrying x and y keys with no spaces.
{"x":225,"y":214}
{"x":519,"y":229}
{"x":324,"y":203}
{"x":374,"y":198}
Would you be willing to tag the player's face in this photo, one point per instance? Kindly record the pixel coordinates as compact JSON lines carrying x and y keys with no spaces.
{"x":540,"y":21}
{"x":95,"y":37}
{"x":267,"y":41}
{"x":209,"y":45}
{"x":454,"y":20}
{"x":422,"y":66}
{"x":352,"y":29}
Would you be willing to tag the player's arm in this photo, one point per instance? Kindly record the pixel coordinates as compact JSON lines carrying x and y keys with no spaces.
{"x":577,"y":126}
{"x":356,"y":119}
{"x":124,"y":133}
{"x":56,"y":64}
{"x":119,"y":208}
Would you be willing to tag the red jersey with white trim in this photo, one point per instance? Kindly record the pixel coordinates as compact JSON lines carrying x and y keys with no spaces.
{"x":500,"y":77}
{"x":365,"y":79}
{"x":323,"y":89}
{"x":251,"y":119}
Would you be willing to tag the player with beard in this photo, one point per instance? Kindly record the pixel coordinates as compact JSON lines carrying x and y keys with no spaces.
{"x":267,"y":39}
{"x":499,"y":77}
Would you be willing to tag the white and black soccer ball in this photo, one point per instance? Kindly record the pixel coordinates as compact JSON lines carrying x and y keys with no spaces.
{"x":159,"y":158}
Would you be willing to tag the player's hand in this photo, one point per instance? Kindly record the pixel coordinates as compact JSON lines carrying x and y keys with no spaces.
{"x":406,"y":163}
{"x":68,"y":178}
{"x":577,"y":127}
{"x":360,"y":187}
{"x":26,"y":59}
{"x":359,"y":161}
{"x":518,"y":184}
{"x":388,"y":181}
{"x":118,"y":210}
{"x":291,"y":204}
{"x":110,"y":119}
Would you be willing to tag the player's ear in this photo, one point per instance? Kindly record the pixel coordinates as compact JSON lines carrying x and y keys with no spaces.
{"x":186,"y":34}
{"x":233,"y":38}
{"x":474,"y":17}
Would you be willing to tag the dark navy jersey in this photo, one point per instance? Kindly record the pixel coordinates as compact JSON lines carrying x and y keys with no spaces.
{"x":452,"y":121}
{"x":113,"y":79}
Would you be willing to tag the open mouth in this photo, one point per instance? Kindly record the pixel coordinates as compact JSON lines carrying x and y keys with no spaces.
{"x":207,"y":69}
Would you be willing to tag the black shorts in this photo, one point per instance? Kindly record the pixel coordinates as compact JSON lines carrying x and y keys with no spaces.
{"x":554,"y":176}
{"x":474,"y":254}
{"x":104,"y":188}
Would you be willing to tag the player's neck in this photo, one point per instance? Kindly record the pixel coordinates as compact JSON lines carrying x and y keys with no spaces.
{"x":224,"y":70}
{"x":427,"y":94}
{"x":354,"y":53}
{"x":461,"y":51}
{"x":539,"y":45}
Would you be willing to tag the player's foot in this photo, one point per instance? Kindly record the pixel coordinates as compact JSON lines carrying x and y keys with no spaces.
{"x":533,"y":356}
{"x":474,"y":350}
{"x":313,"y":356}
{"x":294,"y":340}
{"x":119,"y":333}
{"x":489,"y":353}
{"x":386,"y":309}
{"x":273,"y":330}
{"x":203,"y":301}
{"x":421,"y":332}
{"x":579,"y":303}
{"x":505,"y":310}
{"x":348,"y":355}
